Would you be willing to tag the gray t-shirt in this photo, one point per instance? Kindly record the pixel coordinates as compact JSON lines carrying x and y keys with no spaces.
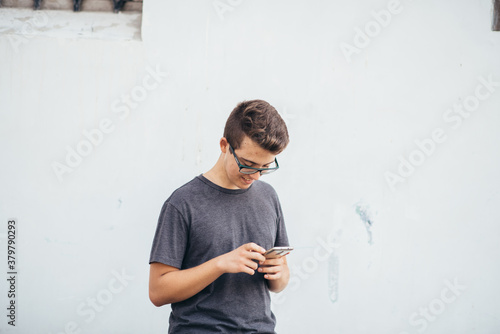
{"x":201,"y":221}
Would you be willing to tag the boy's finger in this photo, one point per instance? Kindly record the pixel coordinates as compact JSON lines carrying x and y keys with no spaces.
{"x":255,"y":248}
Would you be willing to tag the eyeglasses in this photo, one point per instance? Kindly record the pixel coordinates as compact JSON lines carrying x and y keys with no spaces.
{"x":252,"y":170}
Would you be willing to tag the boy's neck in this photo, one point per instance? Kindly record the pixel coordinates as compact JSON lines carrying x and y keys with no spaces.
{"x":218,"y":176}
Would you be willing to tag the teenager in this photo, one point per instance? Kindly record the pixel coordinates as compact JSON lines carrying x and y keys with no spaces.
{"x":207,"y":255}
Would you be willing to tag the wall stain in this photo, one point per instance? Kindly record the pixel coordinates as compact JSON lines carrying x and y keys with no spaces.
{"x":363,"y":210}
{"x":333,"y":277}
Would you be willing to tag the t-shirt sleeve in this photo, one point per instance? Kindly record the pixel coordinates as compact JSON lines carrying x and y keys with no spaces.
{"x":281,"y":235}
{"x":169,"y":243}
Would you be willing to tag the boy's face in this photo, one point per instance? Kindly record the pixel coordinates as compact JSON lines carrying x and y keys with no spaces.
{"x":249,"y":154}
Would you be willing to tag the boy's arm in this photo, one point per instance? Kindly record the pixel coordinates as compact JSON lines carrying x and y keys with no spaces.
{"x":277,"y":273}
{"x":168,"y":284}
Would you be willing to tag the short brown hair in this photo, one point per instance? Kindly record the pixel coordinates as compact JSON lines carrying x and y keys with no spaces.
{"x":258,"y":120}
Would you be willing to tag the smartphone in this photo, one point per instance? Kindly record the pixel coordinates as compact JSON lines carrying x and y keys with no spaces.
{"x":277,"y":252}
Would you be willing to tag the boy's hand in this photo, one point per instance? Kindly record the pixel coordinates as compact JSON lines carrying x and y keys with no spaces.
{"x":244,"y":259}
{"x":273,"y":268}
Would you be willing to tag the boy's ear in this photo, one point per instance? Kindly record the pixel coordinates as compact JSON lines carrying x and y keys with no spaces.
{"x":224,"y":145}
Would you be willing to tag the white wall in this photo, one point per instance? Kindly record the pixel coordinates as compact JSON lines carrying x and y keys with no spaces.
{"x":350,"y":118}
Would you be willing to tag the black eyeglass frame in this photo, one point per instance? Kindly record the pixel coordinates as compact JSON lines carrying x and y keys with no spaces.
{"x":262,"y":171}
